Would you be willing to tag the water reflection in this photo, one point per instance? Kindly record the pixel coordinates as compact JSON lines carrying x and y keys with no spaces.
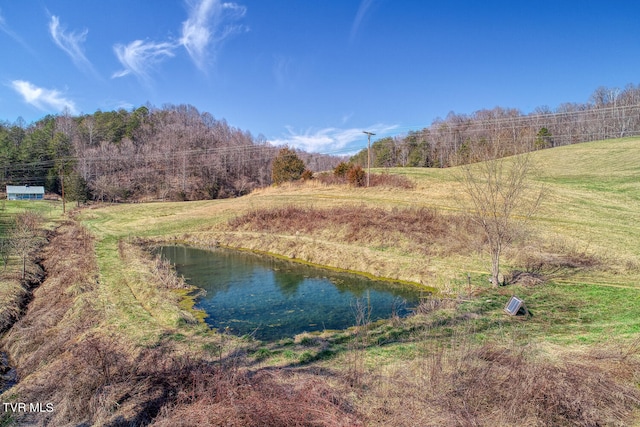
{"x":288,"y":283}
{"x":272,"y":299}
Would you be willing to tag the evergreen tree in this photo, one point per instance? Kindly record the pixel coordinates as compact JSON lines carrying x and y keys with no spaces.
{"x":287,"y":166}
{"x":543,"y":139}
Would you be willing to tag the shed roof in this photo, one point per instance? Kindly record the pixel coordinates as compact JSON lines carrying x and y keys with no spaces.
{"x":24,"y":189}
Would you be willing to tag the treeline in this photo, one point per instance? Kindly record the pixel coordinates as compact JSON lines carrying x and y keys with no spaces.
{"x":460,"y":138}
{"x":168,"y":153}
{"x":177,"y":153}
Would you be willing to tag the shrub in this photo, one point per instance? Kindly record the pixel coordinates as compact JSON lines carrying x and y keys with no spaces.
{"x":307,"y":175}
{"x":342,"y":169}
{"x":287,"y":166}
{"x":390,"y":180}
{"x":356,"y":176}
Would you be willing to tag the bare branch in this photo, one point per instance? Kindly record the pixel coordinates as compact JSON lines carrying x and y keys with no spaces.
{"x":502,"y":198}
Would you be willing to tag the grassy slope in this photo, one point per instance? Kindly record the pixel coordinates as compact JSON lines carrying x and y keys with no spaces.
{"x":593,"y":206}
{"x":595,"y":199}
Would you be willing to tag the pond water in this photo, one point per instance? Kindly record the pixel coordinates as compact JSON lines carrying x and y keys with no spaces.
{"x":272,"y":298}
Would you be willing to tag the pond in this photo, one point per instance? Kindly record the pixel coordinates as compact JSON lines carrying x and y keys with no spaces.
{"x":271,"y":299}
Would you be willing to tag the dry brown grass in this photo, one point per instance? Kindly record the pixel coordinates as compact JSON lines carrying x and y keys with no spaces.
{"x":26,"y":239}
{"x":424,"y":230}
{"x":375,"y":180}
{"x":70,"y":269}
{"x":13,"y":296}
{"x":466,"y":384}
{"x":275,"y":398}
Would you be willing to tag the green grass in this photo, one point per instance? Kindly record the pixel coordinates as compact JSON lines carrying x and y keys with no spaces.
{"x":50,"y":210}
{"x":561,"y":313}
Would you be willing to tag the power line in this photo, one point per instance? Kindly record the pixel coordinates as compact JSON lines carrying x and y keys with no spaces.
{"x":614,"y":120}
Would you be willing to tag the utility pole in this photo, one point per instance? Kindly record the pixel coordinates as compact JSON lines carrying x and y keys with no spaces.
{"x":368,"y":154}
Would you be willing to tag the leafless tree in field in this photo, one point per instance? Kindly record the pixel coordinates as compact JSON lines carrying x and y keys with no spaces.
{"x":502,"y":199}
{"x":25,"y":235}
{"x":5,"y":251}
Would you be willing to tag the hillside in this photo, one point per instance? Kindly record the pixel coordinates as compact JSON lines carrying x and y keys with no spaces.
{"x":459,"y":360}
{"x":592,"y":206}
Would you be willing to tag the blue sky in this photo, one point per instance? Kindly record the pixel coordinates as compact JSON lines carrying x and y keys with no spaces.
{"x":313,"y":74}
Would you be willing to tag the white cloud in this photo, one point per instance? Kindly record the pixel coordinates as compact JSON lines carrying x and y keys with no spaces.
{"x":331,"y":140}
{"x":139,"y":57}
{"x":4,"y":27}
{"x":365,"y":6}
{"x":284,"y":71}
{"x":70,"y":43}
{"x":281,"y":68}
{"x":43,"y":99}
{"x":210,"y":22}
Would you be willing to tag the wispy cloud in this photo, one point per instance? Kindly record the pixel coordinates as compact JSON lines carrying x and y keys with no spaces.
{"x":285,"y":71}
{"x":4,"y":27}
{"x":71,"y":43}
{"x":365,"y":7}
{"x":139,"y":57}
{"x":43,"y":99}
{"x":209,"y":24}
{"x":331,"y":140}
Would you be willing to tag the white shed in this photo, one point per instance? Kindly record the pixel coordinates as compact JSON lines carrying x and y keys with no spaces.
{"x":24,"y":192}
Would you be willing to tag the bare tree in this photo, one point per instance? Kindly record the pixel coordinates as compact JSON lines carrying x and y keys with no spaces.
{"x":26,"y":236}
{"x":502,"y":198}
{"x":5,"y":251}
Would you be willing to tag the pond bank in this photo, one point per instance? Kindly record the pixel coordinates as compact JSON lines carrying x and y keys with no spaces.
{"x":310,"y":254}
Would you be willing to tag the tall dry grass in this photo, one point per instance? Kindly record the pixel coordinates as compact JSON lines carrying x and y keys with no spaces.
{"x":25,"y":239}
{"x":375,"y":180}
{"x":274,"y":398}
{"x":424,"y":230}
{"x":464,"y":383}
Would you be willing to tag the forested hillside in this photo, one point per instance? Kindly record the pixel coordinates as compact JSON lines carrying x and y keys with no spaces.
{"x":460,"y":138}
{"x":178,"y":153}
{"x":170,"y":153}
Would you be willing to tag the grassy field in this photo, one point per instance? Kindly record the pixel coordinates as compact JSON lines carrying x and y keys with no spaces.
{"x":591,"y":210}
{"x":592,"y":207}
{"x":461,"y":347}
{"x":50,"y":210}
